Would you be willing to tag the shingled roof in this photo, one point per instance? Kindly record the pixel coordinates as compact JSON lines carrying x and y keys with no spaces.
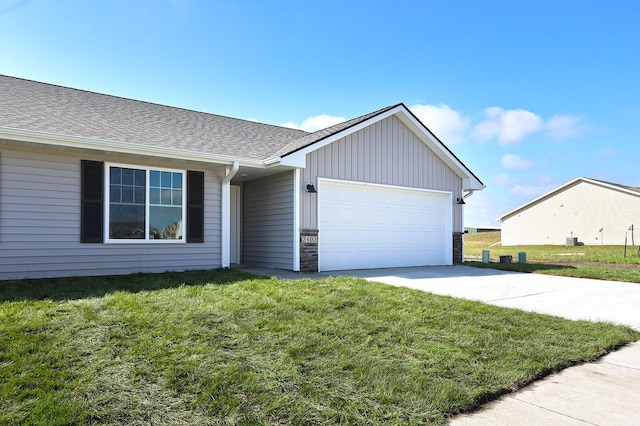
{"x":108,"y":122}
{"x":34,"y":106}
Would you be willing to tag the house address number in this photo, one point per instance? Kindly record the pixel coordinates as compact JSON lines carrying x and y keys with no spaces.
{"x":309,"y":239}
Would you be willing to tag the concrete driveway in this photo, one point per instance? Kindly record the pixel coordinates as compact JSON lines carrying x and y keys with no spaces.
{"x":572,"y":298}
{"x":606,"y":392}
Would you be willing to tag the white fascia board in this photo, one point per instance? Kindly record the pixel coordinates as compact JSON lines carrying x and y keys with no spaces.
{"x":121,"y":147}
{"x":298,"y":158}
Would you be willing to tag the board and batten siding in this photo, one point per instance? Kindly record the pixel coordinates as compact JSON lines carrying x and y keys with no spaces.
{"x":40,"y":224}
{"x":387,"y":152}
{"x":579,"y":211}
{"x":267,"y":221}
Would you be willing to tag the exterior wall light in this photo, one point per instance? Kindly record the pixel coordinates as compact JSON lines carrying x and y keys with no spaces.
{"x":311,"y":188}
{"x":460,"y":201}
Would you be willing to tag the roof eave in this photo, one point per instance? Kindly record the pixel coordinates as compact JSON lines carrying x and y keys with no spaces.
{"x":79,"y":142}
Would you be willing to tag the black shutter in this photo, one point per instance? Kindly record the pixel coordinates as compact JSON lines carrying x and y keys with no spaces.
{"x":195,"y":207}
{"x":91,"y":211}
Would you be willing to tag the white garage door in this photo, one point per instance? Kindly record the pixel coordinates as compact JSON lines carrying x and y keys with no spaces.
{"x":374,"y":226}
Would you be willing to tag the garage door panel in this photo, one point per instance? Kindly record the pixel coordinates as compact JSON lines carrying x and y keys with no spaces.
{"x":368,"y":226}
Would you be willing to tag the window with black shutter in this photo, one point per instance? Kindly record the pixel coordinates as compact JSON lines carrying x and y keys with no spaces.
{"x":143,"y":204}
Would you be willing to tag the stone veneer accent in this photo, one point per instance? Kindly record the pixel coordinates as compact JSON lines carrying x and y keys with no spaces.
{"x":309,"y":250}
{"x":458,"y":247}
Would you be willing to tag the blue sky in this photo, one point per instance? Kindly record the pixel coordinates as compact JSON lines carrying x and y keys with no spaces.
{"x":529,"y":95}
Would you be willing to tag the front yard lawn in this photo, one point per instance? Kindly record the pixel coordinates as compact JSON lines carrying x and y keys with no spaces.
{"x":223,"y":347}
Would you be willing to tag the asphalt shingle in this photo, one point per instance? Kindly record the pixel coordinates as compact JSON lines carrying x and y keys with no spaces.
{"x":35,"y":106}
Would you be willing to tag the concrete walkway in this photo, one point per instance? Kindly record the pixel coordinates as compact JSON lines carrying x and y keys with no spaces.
{"x":606,"y":392}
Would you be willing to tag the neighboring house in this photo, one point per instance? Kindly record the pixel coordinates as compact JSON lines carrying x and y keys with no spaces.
{"x":92,"y":184}
{"x":586,"y":211}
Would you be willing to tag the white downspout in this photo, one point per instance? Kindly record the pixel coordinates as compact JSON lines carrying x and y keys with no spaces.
{"x":226,"y":214}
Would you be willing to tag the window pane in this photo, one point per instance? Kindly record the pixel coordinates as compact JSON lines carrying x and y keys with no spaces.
{"x":165,"y":223}
{"x":127,"y":203}
{"x":154,"y":178}
{"x":166,"y":180}
{"x":177,"y":180}
{"x":140,"y":177}
{"x":177,"y":197}
{"x":126,"y":221}
{"x":127,"y":176}
{"x":127,"y":194}
{"x":115,"y":175}
{"x":114,"y":194}
{"x":139,"y":195}
{"x":154,"y":195}
{"x":166,"y":197}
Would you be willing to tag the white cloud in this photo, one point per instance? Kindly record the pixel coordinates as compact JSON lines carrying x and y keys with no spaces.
{"x":503,"y":179}
{"x":564,"y":126}
{"x":316,"y":122}
{"x":508,"y":125}
{"x":515,"y":162}
{"x":530,"y":191}
{"x":446,"y":123}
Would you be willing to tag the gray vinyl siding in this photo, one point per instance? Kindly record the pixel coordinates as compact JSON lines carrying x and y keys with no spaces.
{"x":267,"y":221}
{"x":386,"y":152}
{"x":40,"y":224}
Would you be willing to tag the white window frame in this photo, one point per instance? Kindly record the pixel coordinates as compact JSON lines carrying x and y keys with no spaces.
{"x":147,"y":207}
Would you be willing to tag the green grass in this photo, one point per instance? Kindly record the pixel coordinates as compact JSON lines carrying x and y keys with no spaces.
{"x":222,"y":347}
{"x":597,"y":262}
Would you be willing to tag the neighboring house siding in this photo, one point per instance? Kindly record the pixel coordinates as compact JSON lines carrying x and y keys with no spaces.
{"x":267,"y":222}
{"x":40,"y":224}
{"x":578,"y":211}
{"x":386,"y":152}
